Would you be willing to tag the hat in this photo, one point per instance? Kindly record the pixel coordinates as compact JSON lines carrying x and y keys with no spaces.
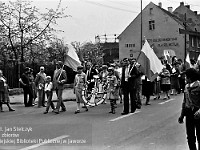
{"x":113,"y":65}
{"x":125,"y":59}
{"x":27,"y":70}
{"x":79,"y":67}
{"x":41,"y":68}
{"x":48,"y":77}
{"x":111,"y":68}
{"x":104,"y":66}
{"x":59,"y":63}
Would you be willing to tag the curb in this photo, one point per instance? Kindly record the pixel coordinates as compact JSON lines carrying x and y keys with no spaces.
{"x":64,"y":100}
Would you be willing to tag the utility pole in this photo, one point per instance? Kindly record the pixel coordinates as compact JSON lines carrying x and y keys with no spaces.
{"x":185,"y":46}
{"x":141,"y":27}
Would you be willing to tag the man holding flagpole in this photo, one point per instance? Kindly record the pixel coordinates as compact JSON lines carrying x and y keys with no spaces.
{"x":129,"y":85}
{"x":59,"y":78}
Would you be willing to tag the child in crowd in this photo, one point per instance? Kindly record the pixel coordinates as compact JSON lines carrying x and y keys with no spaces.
{"x":49,"y":93}
{"x":111,"y":84}
{"x":79,"y":84}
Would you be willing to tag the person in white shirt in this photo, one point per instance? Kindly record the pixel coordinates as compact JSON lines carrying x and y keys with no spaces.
{"x":79,"y":84}
{"x":49,"y":93}
{"x":39,"y":82}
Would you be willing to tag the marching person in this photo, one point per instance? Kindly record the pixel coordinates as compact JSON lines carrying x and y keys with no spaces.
{"x":48,"y":89}
{"x":165,"y":82}
{"x":111,"y":86}
{"x":128,"y":85}
{"x":191,"y":108}
{"x":79,"y":84}
{"x":103,"y":77}
{"x":40,"y":82}
{"x":147,"y":89}
{"x":59,"y":78}
{"x":4,"y":93}
{"x":90,"y":72}
{"x":33,"y":86}
{"x":25,"y":81}
{"x":175,"y":85}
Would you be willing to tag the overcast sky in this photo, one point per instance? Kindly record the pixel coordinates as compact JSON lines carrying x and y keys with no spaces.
{"x":99,"y":17}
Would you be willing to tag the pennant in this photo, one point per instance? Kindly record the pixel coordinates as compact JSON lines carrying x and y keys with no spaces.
{"x":151,"y":64}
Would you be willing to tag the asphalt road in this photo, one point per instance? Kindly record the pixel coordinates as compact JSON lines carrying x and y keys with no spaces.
{"x":153,"y":127}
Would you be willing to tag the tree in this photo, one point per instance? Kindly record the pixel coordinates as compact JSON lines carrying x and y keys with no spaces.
{"x":23,"y":26}
{"x":92,"y":52}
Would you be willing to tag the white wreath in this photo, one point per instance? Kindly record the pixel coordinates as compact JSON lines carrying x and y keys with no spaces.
{"x":93,"y":97}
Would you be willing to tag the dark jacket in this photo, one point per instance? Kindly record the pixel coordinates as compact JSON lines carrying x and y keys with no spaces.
{"x":132,"y":80}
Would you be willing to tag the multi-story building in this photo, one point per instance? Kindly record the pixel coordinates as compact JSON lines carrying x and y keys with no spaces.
{"x":110,"y":47}
{"x":164,"y":30}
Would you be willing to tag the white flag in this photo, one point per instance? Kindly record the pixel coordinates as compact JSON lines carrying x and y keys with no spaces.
{"x":149,"y":61}
{"x":72,"y":59}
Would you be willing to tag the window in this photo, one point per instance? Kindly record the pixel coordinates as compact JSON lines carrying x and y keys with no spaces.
{"x":198,"y":42}
{"x":129,"y":45}
{"x":151,"y":25}
{"x":150,"y":11}
{"x":192,"y":41}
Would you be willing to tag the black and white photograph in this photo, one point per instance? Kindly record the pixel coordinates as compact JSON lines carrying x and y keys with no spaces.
{"x":99,"y":75}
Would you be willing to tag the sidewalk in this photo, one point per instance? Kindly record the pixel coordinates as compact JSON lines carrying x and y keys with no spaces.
{"x":68,"y":95}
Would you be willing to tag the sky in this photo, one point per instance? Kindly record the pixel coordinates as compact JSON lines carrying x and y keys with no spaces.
{"x":99,"y":17}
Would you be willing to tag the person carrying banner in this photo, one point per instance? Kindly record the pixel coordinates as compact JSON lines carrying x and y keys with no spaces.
{"x":59,"y":78}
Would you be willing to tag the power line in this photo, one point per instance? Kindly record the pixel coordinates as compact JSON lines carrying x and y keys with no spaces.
{"x":108,"y":6}
{"x":118,"y":3}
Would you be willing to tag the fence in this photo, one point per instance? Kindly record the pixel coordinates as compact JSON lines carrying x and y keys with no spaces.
{"x":10,"y":71}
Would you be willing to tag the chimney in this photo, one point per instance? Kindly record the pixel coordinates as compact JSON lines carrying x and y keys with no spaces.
{"x":160,"y":4}
{"x":195,"y":12}
{"x":188,"y":6}
{"x":181,"y":3}
{"x":170,"y":9}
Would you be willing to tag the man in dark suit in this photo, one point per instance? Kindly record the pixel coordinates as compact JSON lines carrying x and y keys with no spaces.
{"x":90,"y":72}
{"x":59,"y":78}
{"x":25,"y":82}
{"x":129,"y":85}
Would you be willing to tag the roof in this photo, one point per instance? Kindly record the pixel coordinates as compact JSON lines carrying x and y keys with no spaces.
{"x":176,"y":18}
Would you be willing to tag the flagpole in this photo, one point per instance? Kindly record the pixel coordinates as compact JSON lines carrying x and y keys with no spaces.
{"x":141,"y":27}
{"x":185,"y":26}
{"x":140,"y":32}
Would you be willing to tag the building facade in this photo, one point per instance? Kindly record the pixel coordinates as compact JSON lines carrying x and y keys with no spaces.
{"x":162,"y":30}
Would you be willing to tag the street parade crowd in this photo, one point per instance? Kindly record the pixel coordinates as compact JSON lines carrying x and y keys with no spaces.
{"x":123,"y":82}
